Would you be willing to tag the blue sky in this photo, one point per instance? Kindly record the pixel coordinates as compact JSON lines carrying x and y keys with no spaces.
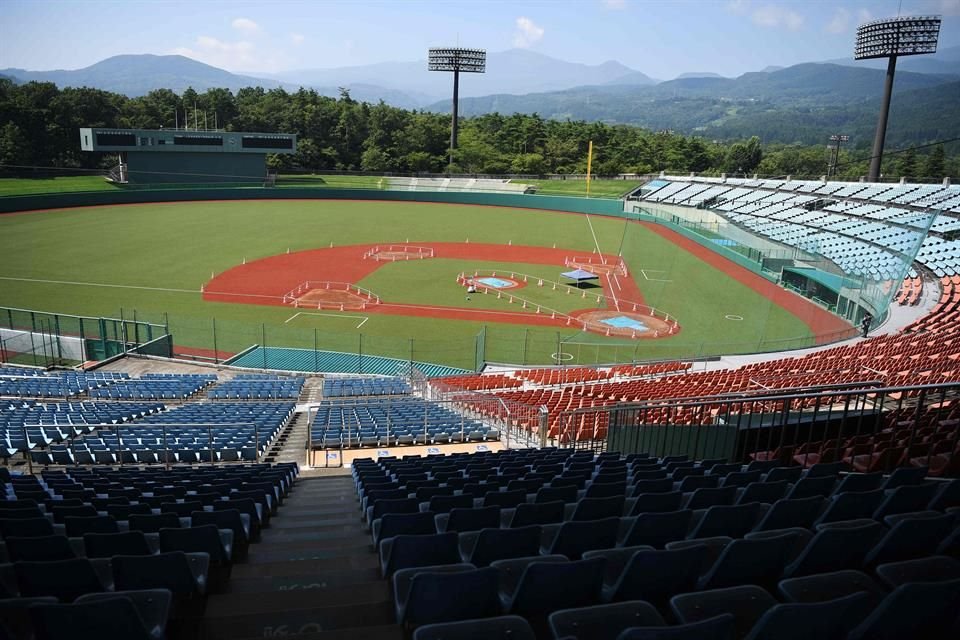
{"x":661,"y":39}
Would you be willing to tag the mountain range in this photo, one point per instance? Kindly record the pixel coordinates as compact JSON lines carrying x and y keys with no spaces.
{"x":822,"y":96}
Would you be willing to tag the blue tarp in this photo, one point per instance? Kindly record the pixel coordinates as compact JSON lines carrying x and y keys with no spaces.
{"x":580,"y":275}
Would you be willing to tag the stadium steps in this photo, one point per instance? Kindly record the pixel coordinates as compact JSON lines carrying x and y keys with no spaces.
{"x":288,"y":447}
{"x":314,"y":575}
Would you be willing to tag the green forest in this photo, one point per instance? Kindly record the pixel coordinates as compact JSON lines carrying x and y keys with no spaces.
{"x":39,"y":125}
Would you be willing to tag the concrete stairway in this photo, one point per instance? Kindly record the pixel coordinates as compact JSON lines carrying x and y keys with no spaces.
{"x":314,"y":575}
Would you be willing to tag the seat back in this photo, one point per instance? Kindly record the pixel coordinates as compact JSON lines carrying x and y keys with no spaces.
{"x":40,"y":548}
{"x":444,"y":597}
{"x":78,"y":526}
{"x":407,"y":551}
{"x":105,"y":545}
{"x":500,"y":544}
{"x":500,"y":628}
{"x":96,"y":618}
{"x":575,"y":537}
{"x":537,"y":513}
{"x":198,"y":539}
{"x":704,"y":498}
{"x":597,"y":508}
{"x":911,"y":538}
{"x":828,"y":619}
{"x":786,"y":513}
{"x":66,"y":580}
{"x":549,"y":586}
{"x":154,"y":522}
{"x":25,"y":528}
{"x":834,"y":548}
{"x":656,"y":502}
{"x":768,"y":492}
{"x":473,"y":519}
{"x":756,"y":561}
{"x":734,"y":521}
{"x":913,"y":610}
{"x":169,"y":570}
{"x":656,"y":576}
{"x":657,"y":529}
{"x":603,"y":620}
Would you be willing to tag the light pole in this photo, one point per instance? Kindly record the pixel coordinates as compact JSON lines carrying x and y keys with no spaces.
{"x":891,"y":38}
{"x":456,"y":60}
{"x":837,"y":140}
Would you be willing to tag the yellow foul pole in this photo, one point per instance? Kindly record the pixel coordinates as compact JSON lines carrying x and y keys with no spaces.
{"x":589,"y":165}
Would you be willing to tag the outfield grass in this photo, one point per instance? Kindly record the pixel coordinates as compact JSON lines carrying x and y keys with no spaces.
{"x":67,"y":184}
{"x":72,"y":184}
{"x":153,"y":258}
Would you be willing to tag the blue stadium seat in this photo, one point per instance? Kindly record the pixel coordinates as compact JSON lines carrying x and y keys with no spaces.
{"x":432,"y":597}
{"x":928,"y":569}
{"x":746,"y":603}
{"x":767,"y":492}
{"x":719,"y":627}
{"x":603,"y":621}
{"x":40,"y":548}
{"x":137,"y":615}
{"x":785,"y":514}
{"x":598,"y":508}
{"x":66,"y":580}
{"x":734,"y":521}
{"x":483,"y":547}
{"x":76,"y":527}
{"x":910,"y":538}
{"x":914,"y":610}
{"x":800,"y":621}
{"x":656,"y":502}
{"x":574,"y":538}
{"x":471,"y":519}
{"x":394,"y":524}
{"x":549,"y":586}
{"x":657,"y":529}
{"x":834,"y":548}
{"x":758,"y":562}
{"x":657,"y":575}
{"x":500,"y":628}
{"x":409,"y":551}
{"x":538,"y":513}
{"x":126,"y":543}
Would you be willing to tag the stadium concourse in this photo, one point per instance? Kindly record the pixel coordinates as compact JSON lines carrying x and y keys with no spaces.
{"x":814,"y":494}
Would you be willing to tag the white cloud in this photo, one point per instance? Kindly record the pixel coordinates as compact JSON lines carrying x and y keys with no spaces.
{"x":226,"y":55}
{"x":527,"y":34}
{"x":245,"y":26}
{"x":774,"y":16}
{"x":839,"y":22}
{"x":738,"y":7}
{"x":615,"y":5}
{"x":297,"y":38}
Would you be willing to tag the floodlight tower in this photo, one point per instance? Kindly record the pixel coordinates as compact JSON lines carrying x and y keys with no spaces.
{"x":456,"y":60}
{"x":891,"y":38}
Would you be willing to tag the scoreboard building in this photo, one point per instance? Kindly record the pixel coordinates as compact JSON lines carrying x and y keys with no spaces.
{"x":150,"y":156}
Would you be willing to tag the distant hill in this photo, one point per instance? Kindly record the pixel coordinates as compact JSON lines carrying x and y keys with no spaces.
{"x":511,"y":71}
{"x":698,"y":74}
{"x":802,"y":103}
{"x":136,"y":75}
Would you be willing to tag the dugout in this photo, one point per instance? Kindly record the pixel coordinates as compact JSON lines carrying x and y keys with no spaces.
{"x":187,"y":156}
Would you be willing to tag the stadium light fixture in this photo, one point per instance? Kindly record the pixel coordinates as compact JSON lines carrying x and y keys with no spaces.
{"x":457,"y":60}
{"x":837,"y":139}
{"x":892,"y":38}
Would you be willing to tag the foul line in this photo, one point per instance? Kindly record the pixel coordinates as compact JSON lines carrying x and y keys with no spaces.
{"x":100,"y":284}
{"x":646,"y":277}
{"x":613,"y":293}
{"x":328,"y":315}
{"x":597,"y":244}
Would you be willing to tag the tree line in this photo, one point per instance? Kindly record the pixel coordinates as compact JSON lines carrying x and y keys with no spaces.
{"x":39,"y":125}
